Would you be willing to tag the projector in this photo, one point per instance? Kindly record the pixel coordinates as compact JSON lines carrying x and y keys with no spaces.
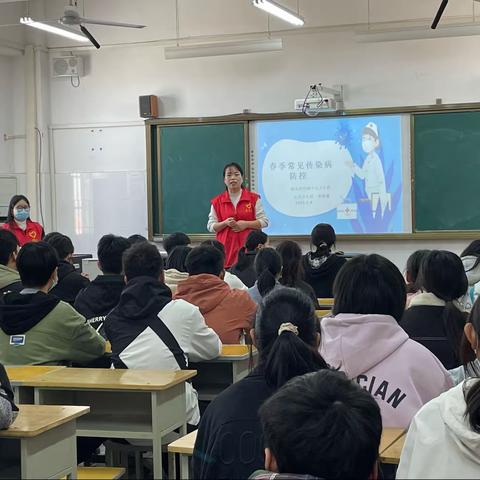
{"x":315,"y":104}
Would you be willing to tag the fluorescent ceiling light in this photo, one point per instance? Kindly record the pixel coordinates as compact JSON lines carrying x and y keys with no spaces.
{"x":372,"y":36}
{"x":273,"y":8}
{"x":63,"y":31}
{"x":223,"y":48}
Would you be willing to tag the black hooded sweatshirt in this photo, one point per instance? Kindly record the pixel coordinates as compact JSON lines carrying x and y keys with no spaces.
{"x":247,"y":275}
{"x":6,"y":391}
{"x":70,"y":282}
{"x":99,"y":298}
{"x":140,"y":303}
{"x":320,"y":273}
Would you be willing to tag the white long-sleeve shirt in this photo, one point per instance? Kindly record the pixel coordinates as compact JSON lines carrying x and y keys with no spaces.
{"x":260,"y":214}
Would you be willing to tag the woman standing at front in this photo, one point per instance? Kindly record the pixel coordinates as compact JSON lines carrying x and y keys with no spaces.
{"x":19,"y":223}
{"x":235,"y":213}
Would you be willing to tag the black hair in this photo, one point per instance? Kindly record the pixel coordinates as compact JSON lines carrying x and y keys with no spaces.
{"x":61,"y":243}
{"x":13,"y":201}
{"x":175,"y":240}
{"x":205,"y":259}
{"x":8,"y":245}
{"x":110,"y":251}
{"x":232,"y":165}
{"x":254,"y":239}
{"x":136,"y":238}
{"x":142,"y":260}
{"x":442,"y":273}
{"x":285,"y":355}
{"x":215,"y":244}
{"x":413,"y":268}
{"x":369,"y":284}
{"x":292,"y":270}
{"x":324,"y":425}
{"x":472,"y":250}
{"x":268,"y":265}
{"x":36,"y":262}
{"x":177,"y":258}
{"x":323,"y":238}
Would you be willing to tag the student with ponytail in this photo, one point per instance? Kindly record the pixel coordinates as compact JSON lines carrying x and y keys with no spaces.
{"x":268,"y":265}
{"x":435,"y":317}
{"x":244,"y":269}
{"x":444,"y":438}
{"x":320,"y":264}
{"x":229,"y":441}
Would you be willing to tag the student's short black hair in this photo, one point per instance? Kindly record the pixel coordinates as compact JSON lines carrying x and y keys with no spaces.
{"x":136,"y":238}
{"x":205,"y":259}
{"x":413,"y":268}
{"x":175,"y":240}
{"x":370,"y":284}
{"x":142,"y":260}
{"x":178,"y":257}
{"x":214,"y":243}
{"x":110,"y":251}
{"x":232,"y":165}
{"x":8,"y":245}
{"x":61,"y":243}
{"x":324,"y":425}
{"x":36,"y":262}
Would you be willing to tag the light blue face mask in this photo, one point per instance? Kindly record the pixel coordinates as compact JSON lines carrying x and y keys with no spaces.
{"x":21,"y":214}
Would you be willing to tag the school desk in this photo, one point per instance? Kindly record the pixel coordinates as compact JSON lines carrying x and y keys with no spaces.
{"x":214,"y":376}
{"x":136,"y":404}
{"x":325,"y":303}
{"x":18,"y":375}
{"x":389,"y":437}
{"x":41,"y":443}
{"x":183,"y":447}
{"x":392,"y":453}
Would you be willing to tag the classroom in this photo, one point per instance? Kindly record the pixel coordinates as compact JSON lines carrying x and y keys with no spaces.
{"x":239,"y":239}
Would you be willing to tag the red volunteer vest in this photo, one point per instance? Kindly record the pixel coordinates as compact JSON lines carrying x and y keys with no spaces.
{"x":245,"y":210}
{"x":33,"y":233}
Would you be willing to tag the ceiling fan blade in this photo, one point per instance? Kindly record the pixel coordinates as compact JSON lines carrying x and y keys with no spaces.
{"x":106,"y":23}
{"x":89,"y":36}
{"x":439,"y":14}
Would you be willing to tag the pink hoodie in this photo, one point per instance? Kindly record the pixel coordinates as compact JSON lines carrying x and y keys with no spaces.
{"x":374,"y":350}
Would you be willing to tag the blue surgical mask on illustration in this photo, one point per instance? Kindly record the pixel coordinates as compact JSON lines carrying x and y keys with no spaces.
{"x":21,"y":214}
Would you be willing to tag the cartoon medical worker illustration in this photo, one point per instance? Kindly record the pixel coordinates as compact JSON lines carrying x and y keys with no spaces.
{"x":372,"y":170}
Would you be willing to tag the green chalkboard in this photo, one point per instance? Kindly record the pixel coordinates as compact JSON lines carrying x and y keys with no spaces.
{"x":191,"y":163}
{"x":446,"y":171}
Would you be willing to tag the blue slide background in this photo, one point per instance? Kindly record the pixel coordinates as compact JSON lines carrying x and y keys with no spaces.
{"x":348,"y":132}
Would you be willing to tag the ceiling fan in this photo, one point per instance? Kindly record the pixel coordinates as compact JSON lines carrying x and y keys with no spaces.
{"x":72,"y":17}
{"x":440,"y":11}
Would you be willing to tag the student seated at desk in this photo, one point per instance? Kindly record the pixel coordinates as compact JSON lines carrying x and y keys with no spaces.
{"x":435,"y":317}
{"x":443,"y":440}
{"x":412,"y":270}
{"x":37,"y":327}
{"x":320,"y":264}
{"x":318,"y":426}
{"x":229,"y":312}
{"x":268,"y":265}
{"x":8,"y":409}
{"x":149,"y":330}
{"x":229,"y":278}
{"x":9,"y":277}
{"x":244,"y":269}
{"x":229,"y":441}
{"x":176,"y":270}
{"x":70,"y":281}
{"x":177,"y":239}
{"x":103,"y":294}
{"x":364,"y":340}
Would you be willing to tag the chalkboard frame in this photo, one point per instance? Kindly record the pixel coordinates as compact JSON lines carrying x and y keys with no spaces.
{"x":153,"y":147}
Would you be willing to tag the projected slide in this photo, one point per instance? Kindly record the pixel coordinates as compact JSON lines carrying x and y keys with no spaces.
{"x":343,"y":171}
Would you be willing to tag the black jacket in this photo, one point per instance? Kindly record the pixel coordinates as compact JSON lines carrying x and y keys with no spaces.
{"x":424,"y":324}
{"x":307,"y":289}
{"x":229,"y":441}
{"x":70,"y":282}
{"x":247,"y":275}
{"x":98,"y":299}
{"x":5,"y":388}
{"x":321,"y":274}
{"x":13,"y":287}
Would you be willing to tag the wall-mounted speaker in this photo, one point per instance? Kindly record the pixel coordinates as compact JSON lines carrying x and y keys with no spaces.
{"x":148,"y":106}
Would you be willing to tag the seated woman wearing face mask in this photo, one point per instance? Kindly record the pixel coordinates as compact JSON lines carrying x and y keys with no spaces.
{"x":19,"y":223}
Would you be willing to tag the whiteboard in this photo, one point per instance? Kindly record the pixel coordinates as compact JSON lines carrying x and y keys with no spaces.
{"x":99,"y":183}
